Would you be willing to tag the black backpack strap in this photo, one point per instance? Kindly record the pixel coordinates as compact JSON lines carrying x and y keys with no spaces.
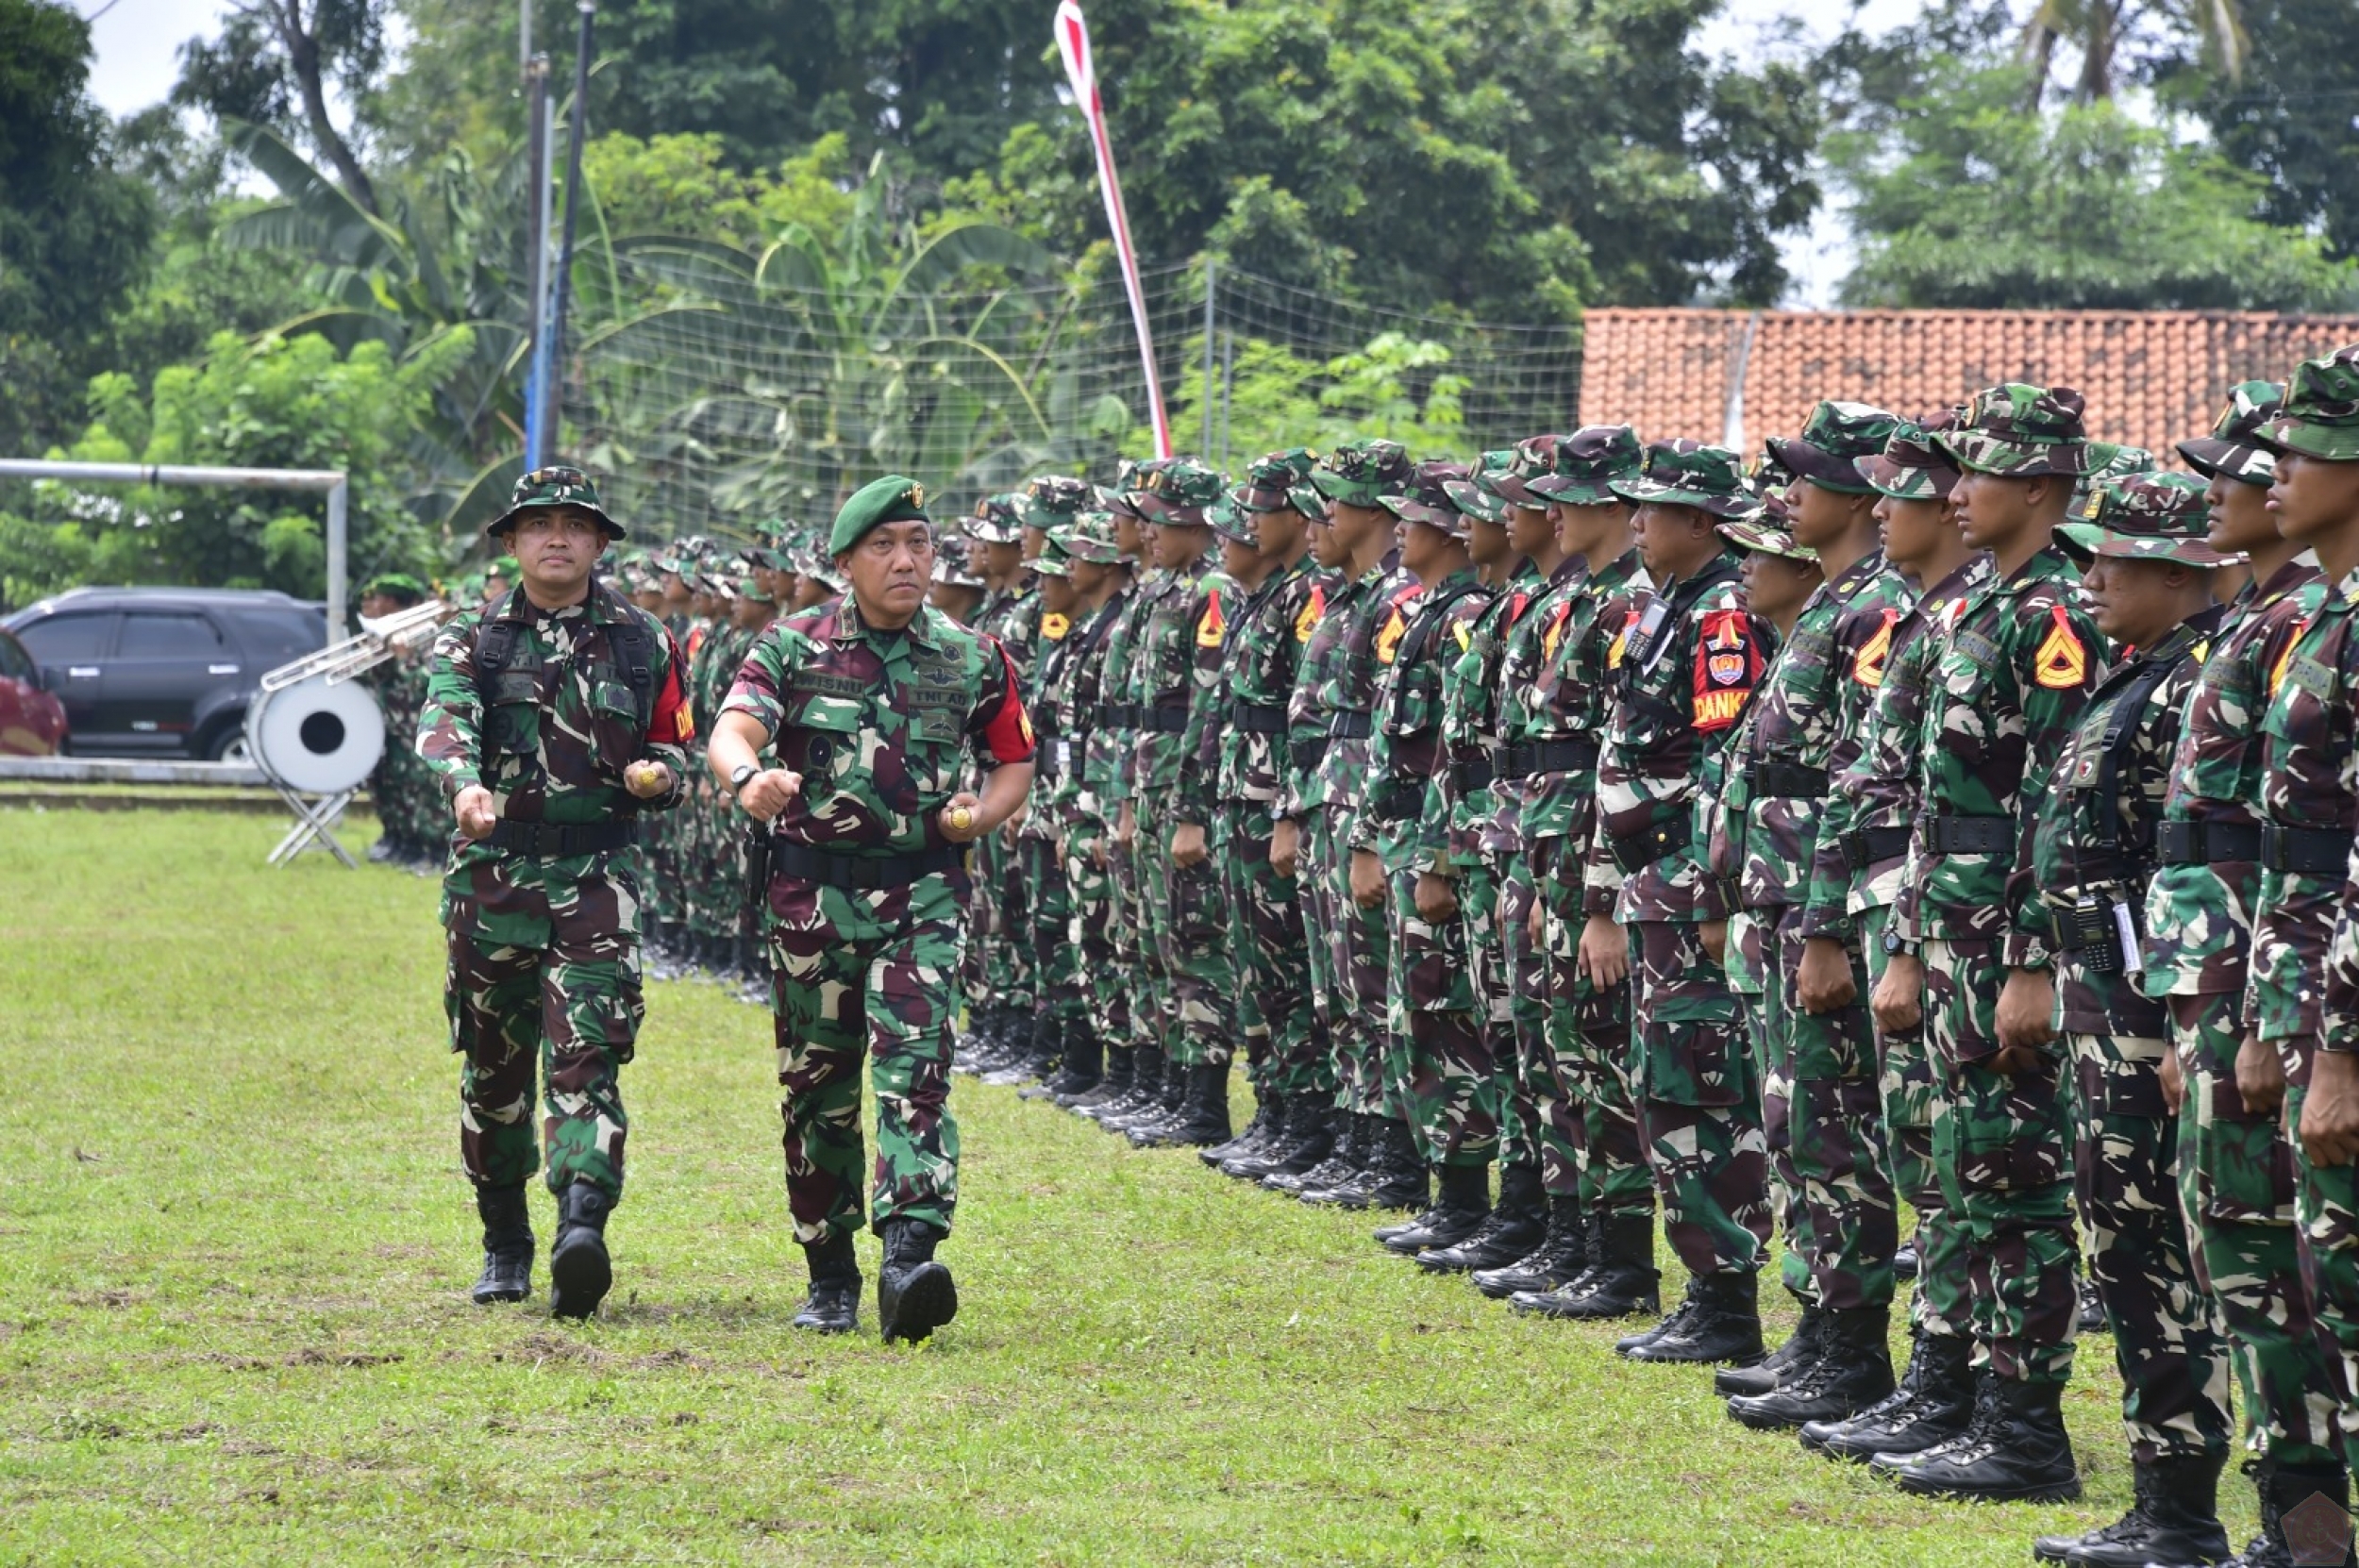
{"x":632,"y":642}
{"x":494,"y":650}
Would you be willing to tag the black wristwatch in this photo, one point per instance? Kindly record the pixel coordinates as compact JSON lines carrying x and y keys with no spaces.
{"x":738,"y":776}
{"x":1896,"y":944}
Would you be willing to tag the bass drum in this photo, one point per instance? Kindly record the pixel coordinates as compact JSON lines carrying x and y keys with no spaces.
{"x":319,"y":738}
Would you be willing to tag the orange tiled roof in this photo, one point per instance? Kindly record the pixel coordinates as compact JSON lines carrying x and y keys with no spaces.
{"x":2152,"y":377}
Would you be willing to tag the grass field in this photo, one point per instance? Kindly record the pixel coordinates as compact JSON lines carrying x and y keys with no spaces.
{"x":234,"y":1244}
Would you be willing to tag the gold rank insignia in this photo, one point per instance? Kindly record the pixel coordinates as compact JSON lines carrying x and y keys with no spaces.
{"x":2062,"y":662}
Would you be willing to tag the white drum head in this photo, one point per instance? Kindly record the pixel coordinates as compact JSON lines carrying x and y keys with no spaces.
{"x":317,"y":738}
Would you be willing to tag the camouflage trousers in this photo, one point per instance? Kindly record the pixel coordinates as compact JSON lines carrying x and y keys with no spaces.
{"x":1581,"y":1065}
{"x":542,"y":983}
{"x":1053,"y":962}
{"x":998,"y":962}
{"x":2236,"y":1190}
{"x":2326,"y":1204}
{"x":2173,"y":1361}
{"x":1537,"y":1126}
{"x":2002,"y":1147}
{"x":1699,"y":1103}
{"x":1283,"y":1040}
{"x":1751,"y":954}
{"x":1355,"y":941}
{"x":1438,"y":1073}
{"x":867,"y":977}
{"x":1151,"y":976}
{"x":1834,"y":1166}
{"x":1942,"y":1300}
{"x":1188,"y":931}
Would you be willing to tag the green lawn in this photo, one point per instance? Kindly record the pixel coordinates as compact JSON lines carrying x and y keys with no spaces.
{"x":234,"y":1243}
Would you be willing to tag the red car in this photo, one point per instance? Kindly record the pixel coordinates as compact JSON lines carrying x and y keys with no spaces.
{"x":32,"y":719}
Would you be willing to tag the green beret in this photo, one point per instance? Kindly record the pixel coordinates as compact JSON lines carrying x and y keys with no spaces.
{"x":890,"y":500}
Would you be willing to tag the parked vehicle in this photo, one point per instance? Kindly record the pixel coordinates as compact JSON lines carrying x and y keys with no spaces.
{"x":32,"y":719}
{"x":146,"y":672}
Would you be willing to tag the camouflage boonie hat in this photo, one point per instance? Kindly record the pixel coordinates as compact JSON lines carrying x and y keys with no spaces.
{"x":2020,"y":431}
{"x":2150,"y":516}
{"x":558,"y":485}
{"x":1179,"y":493}
{"x":1833,"y":439}
{"x":1534,"y":457}
{"x":749,"y":586}
{"x":1089,"y":537}
{"x":1268,"y":482}
{"x":1691,"y":474}
{"x":1759,"y":536}
{"x":1912,"y":466}
{"x":2320,"y":418}
{"x":2110,"y":460}
{"x":2234,"y":449}
{"x":1425,"y":498}
{"x":1051,"y":501}
{"x":1052,"y":563}
{"x":1131,"y":481}
{"x":998,"y":519}
{"x":1588,"y":461}
{"x":1478,"y":495}
{"x":1233,"y":521}
{"x":1358,"y":472}
{"x":950,"y":569}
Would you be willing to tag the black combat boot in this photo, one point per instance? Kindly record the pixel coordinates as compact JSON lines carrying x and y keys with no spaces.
{"x":1852,"y":1372}
{"x":1623,"y":1282}
{"x":2173,"y":1519}
{"x":2305,"y":1516}
{"x":1788,"y":1360}
{"x":1084,"y":1064}
{"x":1147,"y":1076}
{"x":1462,"y":1202}
{"x":1162,"y":1106}
{"x":1565,"y":1250}
{"x":916,"y":1295}
{"x":1148,"y":1083}
{"x":1932,"y":1404}
{"x":1905,"y":1262}
{"x":2015,"y":1450}
{"x":1725,"y":1324}
{"x":1513,"y":1229}
{"x":507,"y":1245}
{"x":1043,"y":1051}
{"x":1014,"y":1042}
{"x":1306,"y":1137}
{"x":1267,"y":1108}
{"x":1207,"y":1123}
{"x":1396,"y":1179}
{"x":579,"y":1270}
{"x":1111,"y":1087}
{"x":1341,"y":1162}
{"x":2092,"y":1308}
{"x":976,"y":1040}
{"x":834,"y":1305}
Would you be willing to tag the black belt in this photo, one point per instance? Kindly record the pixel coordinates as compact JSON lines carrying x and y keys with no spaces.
{"x":863,"y":872}
{"x":550,"y":841}
{"x":1118,"y":715}
{"x":1786,"y":781}
{"x":1867,"y":846}
{"x":1549,"y":757}
{"x":2313,"y":851}
{"x":1648,"y":844}
{"x":1347,"y":725}
{"x":1259,"y":718}
{"x":1397,"y":800}
{"x":1969,"y":835}
{"x":2204,"y":843}
{"x":1470,"y":776}
{"x":1310,"y":752}
{"x":1162,"y":720}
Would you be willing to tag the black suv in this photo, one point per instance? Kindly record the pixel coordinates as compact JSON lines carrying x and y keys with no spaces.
{"x":146,"y":672}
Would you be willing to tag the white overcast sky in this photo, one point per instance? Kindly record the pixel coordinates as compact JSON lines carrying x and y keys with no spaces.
{"x":137,"y":41}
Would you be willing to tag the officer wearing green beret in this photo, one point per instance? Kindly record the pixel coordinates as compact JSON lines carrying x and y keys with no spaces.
{"x":875,"y":704}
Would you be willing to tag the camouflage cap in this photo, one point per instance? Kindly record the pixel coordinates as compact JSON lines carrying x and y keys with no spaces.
{"x":1130,"y":482}
{"x":1535,"y":456}
{"x":1052,"y":563}
{"x":1233,"y":521}
{"x":1269,"y":478}
{"x":998,"y":519}
{"x":398,"y":585}
{"x":1358,"y":472}
{"x":1912,"y":466}
{"x":1588,"y":461}
{"x":2234,"y":449}
{"x":1691,"y":474}
{"x":2020,"y":431}
{"x":1052,"y":500}
{"x":1760,"y":537}
{"x":750,"y":587}
{"x":950,"y":569}
{"x":1179,"y":491}
{"x":1425,"y":498}
{"x":559,"y":485}
{"x":2108,"y":460}
{"x":1306,"y":499}
{"x":1479,"y":494}
{"x":894,"y":498}
{"x":2145,"y":516}
{"x":1089,"y":537}
{"x":1833,"y":439}
{"x":2320,"y":417}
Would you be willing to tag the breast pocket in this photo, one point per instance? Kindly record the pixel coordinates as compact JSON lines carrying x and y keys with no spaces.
{"x":933,"y":751}
{"x":827,"y":749}
{"x":515,"y":720}
{"x":614,"y":723}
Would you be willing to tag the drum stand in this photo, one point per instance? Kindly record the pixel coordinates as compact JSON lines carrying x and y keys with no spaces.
{"x":316,"y":817}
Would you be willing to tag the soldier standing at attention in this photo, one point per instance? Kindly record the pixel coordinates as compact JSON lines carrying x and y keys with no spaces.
{"x":1972,"y":938}
{"x":551,"y":720}
{"x":872,"y":703}
{"x":999,"y":982}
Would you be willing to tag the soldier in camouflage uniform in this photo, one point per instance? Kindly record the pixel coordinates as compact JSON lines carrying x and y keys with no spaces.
{"x":408,"y":816}
{"x":1690,"y":666}
{"x":551,"y":720}
{"x":2235,"y":1161}
{"x":1808,"y":715}
{"x":871,"y":704}
{"x":998,"y":970}
{"x":2147,"y":573}
{"x":1867,"y":820}
{"x":2301,"y":999}
{"x":1970,"y":937}
{"x":1334,"y":696}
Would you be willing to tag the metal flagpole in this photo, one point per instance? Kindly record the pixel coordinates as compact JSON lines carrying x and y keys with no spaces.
{"x":1073,"y":42}
{"x":537,"y":261}
{"x":552,"y":412}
